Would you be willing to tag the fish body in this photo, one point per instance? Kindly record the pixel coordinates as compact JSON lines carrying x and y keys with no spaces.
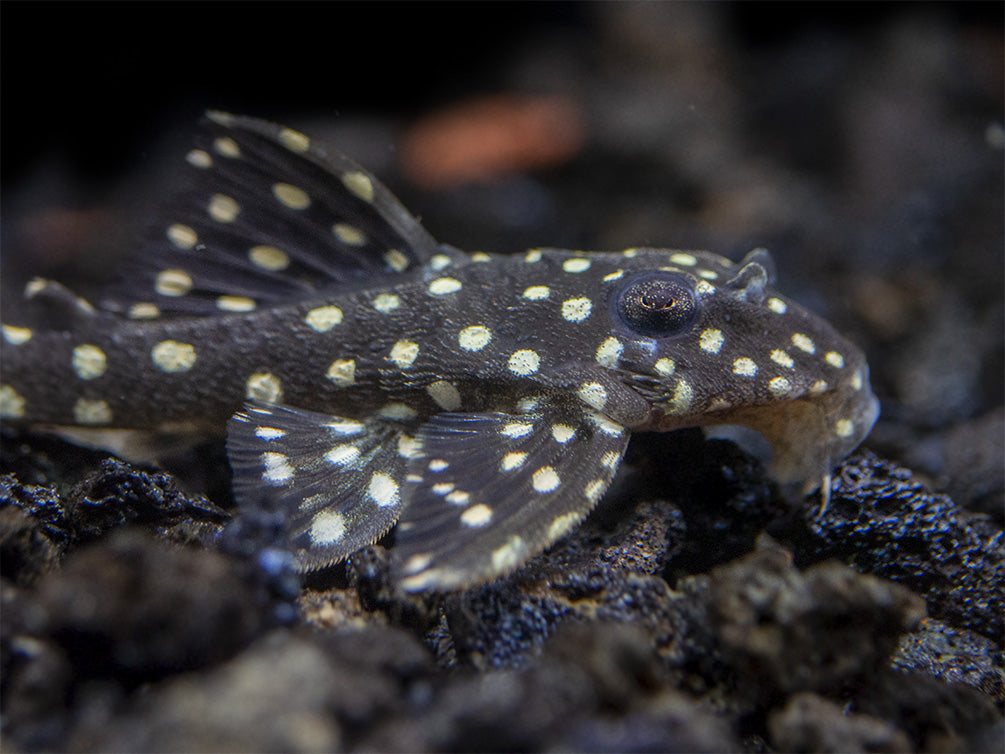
{"x":369,"y":375}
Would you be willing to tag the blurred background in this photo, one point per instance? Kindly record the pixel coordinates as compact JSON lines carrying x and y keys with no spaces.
{"x":862,"y":144}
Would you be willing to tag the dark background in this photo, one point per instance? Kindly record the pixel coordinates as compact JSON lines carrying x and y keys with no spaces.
{"x":861,"y":143}
{"x":93,"y":83}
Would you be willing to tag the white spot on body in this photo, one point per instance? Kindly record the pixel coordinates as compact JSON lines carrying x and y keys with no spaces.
{"x":537,"y":293}
{"x":745,"y":367}
{"x":144,"y":310}
{"x":534,"y":255}
{"x":609,"y":352}
{"x":359,"y":184}
{"x":704,"y":288}
{"x":545,"y":480}
{"x":524,"y":362}
{"x":610,"y":276}
{"x":458,"y":497}
{"x":803,"y":342}
{"x":342,"y":455}
{"x":683,"y":394}
{"x":510,"y":555}
{"x":818,"y":387}
{"x":269,"y":258}
{"x":226,"y":147}
{"x":87,"y":411}
{"x":327,"y":528}
{"x":408,"y":446}
{"x":264,"y":387}
{"x":12,"y":403}
{"x":269,"y":433}
{"x":576,"y":309}
{"x":594,"y":489}
{"x":782,"y":359}
{"x":182,"y":236}
{"x":474,"y":338}
{"x":404,"y":353}
{"x":777,"y":305}
{"x":294,"y":140}
{"x":605,"y":425}
{"x":291,"y":196}
{"x":417,"y":563}
{"x":199,"y":158}
{"x":89,"y":361}
{"x":779,"y":386}
{"x":385,"y":303}
{"x":342,"y":372}
{"x":576,"y":264}
{"x":323,"y":318}
{"x":345,"y":427}
{"x":235,"y":304}
{"x":437,"y":465}
{"x":857,"y":381}
{"x":35,"y":287}
{"x":396,"y":260}
{"x":383,"y":490}
{"x":277,"y":468}
{"x":711,"y":340}
{"x":512,"y":461}
{"x":844,"y":428}
{"x":515,"y":430}
{"x":688,"y":260}
{"x":665,"y":367}
{"x":443,"y":286}
{"x":173,"y":282}
{"x":440,"y":261}
{"x":528,"y":404}
{"x":562,"y":433}
{"x":172,"y":357}
{"x":223,"y":208}
{"x":477,"y":516}
{"x":835,"y":359}
{"x":562,"y":525}
{"x":445,"y":394}
{"x":218,"y":116}
{"x":16,"y":335}
{"x":593,"y":394}
{"x":397,"y":412}
{"x":610,"y":459}
{"x":349,"y":234}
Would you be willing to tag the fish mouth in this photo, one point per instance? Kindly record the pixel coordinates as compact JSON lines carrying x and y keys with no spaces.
{"x":809,"y":434}
{"x":806,"y":437}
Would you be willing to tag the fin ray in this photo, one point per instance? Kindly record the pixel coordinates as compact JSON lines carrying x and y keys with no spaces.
{"x":339,"y":480}
{"x":487,"y":491}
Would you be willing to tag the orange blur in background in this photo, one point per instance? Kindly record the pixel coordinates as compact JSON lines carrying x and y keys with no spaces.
{"x":488,"y":137}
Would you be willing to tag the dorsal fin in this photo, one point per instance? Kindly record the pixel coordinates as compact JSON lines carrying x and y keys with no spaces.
{"x":266,"y":217}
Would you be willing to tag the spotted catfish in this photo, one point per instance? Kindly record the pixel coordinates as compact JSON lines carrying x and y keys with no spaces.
{"x":482,"y":402}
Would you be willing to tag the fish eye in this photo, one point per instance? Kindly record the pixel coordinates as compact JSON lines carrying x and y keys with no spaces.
{"x":657,"y":304}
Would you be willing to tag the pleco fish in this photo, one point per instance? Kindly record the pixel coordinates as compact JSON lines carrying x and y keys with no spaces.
{"x":482,"y":402}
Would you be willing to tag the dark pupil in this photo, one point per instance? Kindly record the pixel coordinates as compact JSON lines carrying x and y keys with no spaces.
{"x":658,"y":306}
{"x":654,"y":301}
